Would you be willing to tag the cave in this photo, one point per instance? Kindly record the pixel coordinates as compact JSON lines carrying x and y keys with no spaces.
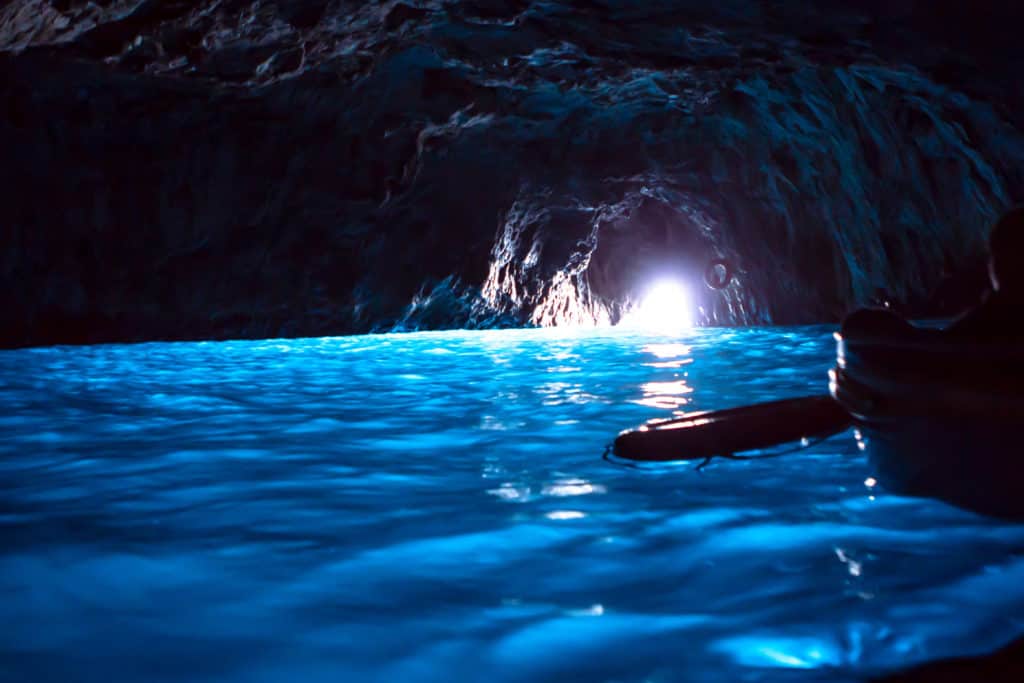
{"x":309,"y":150}
{"x":241,"y":235}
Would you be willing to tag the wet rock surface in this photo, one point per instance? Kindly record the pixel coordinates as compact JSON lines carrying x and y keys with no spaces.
{"x":226,"y":169}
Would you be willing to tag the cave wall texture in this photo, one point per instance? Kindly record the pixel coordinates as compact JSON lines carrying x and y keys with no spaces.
{"x":227,"y":168}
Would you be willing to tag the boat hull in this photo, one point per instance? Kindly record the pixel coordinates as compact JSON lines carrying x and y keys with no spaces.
{"x":937,"y":419}
{"x":970,"y":464}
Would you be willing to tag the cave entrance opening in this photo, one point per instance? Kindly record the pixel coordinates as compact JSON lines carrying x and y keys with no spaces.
{"x":666,"y":307}
{"x":648,"y":267}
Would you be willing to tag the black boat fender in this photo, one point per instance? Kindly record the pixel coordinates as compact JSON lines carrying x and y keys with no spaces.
{"x":707,"y":434}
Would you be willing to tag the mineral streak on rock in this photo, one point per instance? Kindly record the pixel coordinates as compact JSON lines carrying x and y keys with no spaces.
{"x":230,"y":168}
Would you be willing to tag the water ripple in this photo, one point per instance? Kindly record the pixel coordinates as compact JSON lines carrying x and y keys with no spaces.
{"x":395,"y":505}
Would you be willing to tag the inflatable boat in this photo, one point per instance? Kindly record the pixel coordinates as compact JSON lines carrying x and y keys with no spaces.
{"x":937,"y":416}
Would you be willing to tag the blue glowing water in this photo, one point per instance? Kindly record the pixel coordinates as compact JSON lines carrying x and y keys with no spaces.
{"x":434,"y":507}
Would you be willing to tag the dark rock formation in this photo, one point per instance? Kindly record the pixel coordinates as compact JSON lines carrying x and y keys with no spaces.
{"x":232,"y":168}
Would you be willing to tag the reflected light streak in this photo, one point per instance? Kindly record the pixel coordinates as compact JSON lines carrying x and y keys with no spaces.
{"x":784,"y":659}
{"x":790,"y":653}
{"x":565,"y":514}
{"x":685,"y":424}
{"x":559,"y":393}
{"x":511,"y":492}
{"x":667,"y":350}
{"x":676,"y":388}
{"x":671,"y":364}
{"x":592,"y":611}
{"x":666,"y":395}
{"x":853,"y":566}
{"x":572,"y":487}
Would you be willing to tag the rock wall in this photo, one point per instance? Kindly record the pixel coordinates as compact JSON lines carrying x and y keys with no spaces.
{"x":230,"y":168}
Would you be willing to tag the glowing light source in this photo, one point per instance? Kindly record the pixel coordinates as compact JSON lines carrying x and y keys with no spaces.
{"x":666,"y":307}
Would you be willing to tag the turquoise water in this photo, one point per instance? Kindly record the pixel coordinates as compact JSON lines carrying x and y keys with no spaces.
{"x":434,"y":507}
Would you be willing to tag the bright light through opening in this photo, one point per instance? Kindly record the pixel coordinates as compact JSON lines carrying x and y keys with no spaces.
{"x":666,"y":307}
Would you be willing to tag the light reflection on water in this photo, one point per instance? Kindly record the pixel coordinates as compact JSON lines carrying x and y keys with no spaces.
{"x":434,"y":507}
{"x":668,"y":395}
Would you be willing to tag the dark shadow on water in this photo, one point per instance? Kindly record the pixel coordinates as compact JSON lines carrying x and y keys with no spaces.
{"x":1004,"y":665}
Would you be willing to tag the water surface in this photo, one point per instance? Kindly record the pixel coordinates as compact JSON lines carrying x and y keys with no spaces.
{"x":434,"y":507}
